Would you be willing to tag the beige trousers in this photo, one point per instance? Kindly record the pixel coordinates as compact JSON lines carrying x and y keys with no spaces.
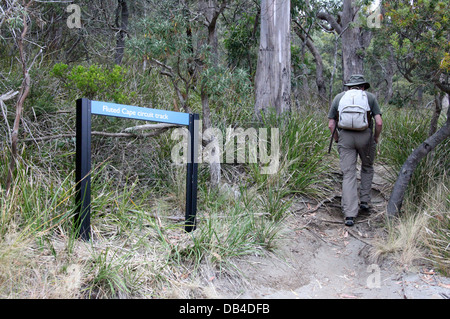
{"x":351,"y":145}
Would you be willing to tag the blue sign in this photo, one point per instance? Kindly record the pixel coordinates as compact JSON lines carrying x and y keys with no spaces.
{"x":139,"y":113}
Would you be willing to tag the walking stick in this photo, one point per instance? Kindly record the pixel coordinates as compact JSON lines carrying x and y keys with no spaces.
{"x":332,"y":138}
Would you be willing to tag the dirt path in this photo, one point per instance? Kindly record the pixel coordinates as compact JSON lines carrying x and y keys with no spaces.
{"x":319,"y":257}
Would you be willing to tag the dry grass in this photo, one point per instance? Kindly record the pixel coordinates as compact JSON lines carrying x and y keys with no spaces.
{"x":437,"y":237}
{"x":422,"y":233}
{"x":135,"y":253}
{"x":404,"y":240}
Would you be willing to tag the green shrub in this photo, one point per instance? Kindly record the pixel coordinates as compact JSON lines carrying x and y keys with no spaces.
{"x":94,"y":81}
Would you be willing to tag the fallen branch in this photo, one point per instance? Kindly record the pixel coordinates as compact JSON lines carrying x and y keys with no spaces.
{"x":150,"y":127}
{"x":319,"y":205}
{"x":328,"y":221}
{"x":46,"y":138}
{"x":128,"y":132}
{"x":318,"y":236}
{"x":107,"y":134}
{"x":182,"y":218}
{"x":359,"y":238}
{"x":9,"y":95}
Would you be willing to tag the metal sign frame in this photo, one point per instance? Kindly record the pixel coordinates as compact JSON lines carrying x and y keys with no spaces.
{"x":85,"y":108}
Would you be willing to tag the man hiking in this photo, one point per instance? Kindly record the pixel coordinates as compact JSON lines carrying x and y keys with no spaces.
{"x":350,"y":121}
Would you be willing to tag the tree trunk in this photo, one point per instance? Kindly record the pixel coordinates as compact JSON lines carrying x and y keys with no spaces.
{"x":400,"y":186}
{"x":437,"y":112}
{"x":352,"y":57}
{"x":24,"y":91}
{"x":389,"y":72}
{"x":354,"y":39}
{"x":320,"y":82}
{"x":211,"y":12}
{"x":273,"y":73}
{"x":214,"y":165}
{"x":122,"y":8}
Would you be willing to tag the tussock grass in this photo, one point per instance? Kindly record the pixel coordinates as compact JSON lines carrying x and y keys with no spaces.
{"x":437,"y":232}
{"x":404,"y":242}
{"x":135,"y":252}
{"x":303,"y":165}
{"x":421,"y":234}
{"x":404,"y":130}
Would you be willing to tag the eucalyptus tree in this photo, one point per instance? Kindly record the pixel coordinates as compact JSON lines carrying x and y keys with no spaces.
{"x":305,"y":25}
{"x":122,"y":13}
{"x":273,"y":73}
{"x":180,"y":39}
{"x":348,"y":24}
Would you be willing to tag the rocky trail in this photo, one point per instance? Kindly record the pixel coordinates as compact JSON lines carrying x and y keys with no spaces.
{"x":319,"y":257}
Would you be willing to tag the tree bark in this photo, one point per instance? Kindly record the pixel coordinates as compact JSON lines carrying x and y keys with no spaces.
{"x":320,"y":82}
{"x":214,"y":165}
{"x":122,"y":8}
{"x":354,"y":40}
{"x":400,"y":186}
{"x":437,"y":112}
{"x":24,"y":91}
{"x":389,"y":71}
{"x":211,"y":11}
{"x":352,"y":60}
{"x":273,"y":73}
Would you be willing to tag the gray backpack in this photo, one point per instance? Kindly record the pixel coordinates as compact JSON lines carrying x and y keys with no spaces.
{"x":354,"y":111}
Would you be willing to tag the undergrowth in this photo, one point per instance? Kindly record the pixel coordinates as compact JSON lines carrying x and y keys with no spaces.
{"x":139,"y":246}
{"x":422,"y":232}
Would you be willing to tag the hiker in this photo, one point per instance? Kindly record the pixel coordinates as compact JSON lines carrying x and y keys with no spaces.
{"x":350,"y":121}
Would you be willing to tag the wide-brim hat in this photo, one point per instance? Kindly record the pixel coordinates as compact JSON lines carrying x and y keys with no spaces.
{"x":357,"y":79}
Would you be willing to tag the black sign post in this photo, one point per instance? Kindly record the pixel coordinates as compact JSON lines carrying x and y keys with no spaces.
{"x":83,"y":169}
{"x":85,"y":109}
{"x":192,"y":172}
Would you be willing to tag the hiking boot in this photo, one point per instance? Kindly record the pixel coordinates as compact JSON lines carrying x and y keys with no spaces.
{"x":349,"y":221}
{"x":364,"y":206}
